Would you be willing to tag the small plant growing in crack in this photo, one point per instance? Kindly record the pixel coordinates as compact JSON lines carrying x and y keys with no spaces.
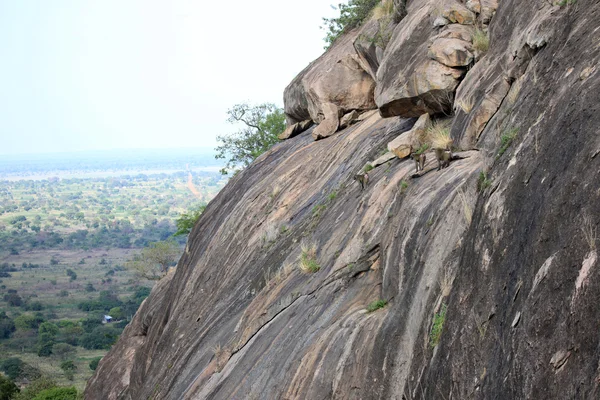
{"x":483,"y":182}
{"x":308,"y":258}
{"x":506,"y":140}
{"x":403,"y":186}
{"x":376,"y":305}
{"x":438,"y":324}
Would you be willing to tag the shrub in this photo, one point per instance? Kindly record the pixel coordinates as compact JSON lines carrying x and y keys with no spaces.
{"x":94,"y":363}
{"x":438,"y":134}
{"x":506,"y":140}
{"x":376,"y":305}
{"x":186,"y":221}
{"x":481,"y":41}
{"x":57,"y":393}
{"x":7,"y":388}
{"x":438,"y":324}
{"x":12,"y":367}
{"x":308,"y":258}
{"x":483,"y":182}
{"x":34,"y":388}
{"x":352,"y":15}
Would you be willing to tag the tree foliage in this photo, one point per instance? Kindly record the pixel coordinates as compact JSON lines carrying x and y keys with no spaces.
{"x":152,"y":263}
{"x":352,"y":15}
{"x":186,"y":221}
{"x":7,"y":388}
{"x":263,"y":123}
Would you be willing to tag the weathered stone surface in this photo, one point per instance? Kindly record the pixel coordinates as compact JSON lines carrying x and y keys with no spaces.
{"x":404,"y":144}
{"x":349,"y":119}
{"x":455,"y":12}
{"x":295,"y":129}
{"x":440,"y":21}
{"x":456,"y":31}
{"x":330,"y":124}
{"x":337,"y":77}
{"x":488,"y":9}
{"x":451,"y":52}
{"x":409,"y":83}
{"x":383,"y":159}
{"x":474,"y":5}
{"x":432,"y":242}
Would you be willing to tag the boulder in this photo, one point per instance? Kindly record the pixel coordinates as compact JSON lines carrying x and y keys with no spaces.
{"x":457,"y":31}
{"x":451,"y":52}
{"x":382,"y":160}
{"x":408,"y":141}
{"x":409,"y":82}
{"x":474,"y":5}
{"x":295,"y":129}
{"x":455,"y":12}
{"x":440,"y":21}
{"x":349,"y":119}
{"x":337,"y":77}
{"x":330,"y":123}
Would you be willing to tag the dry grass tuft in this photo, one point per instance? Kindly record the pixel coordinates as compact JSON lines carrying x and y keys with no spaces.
{"x":467,"y":211}
{"x":513,"y":93}
{"x":481,"y":41}
{"x":383,"y":9}
{"x":438,"y":134}
{"x":446,"y":282}
{"x":589,"y":232}
{"x":308,"y":257}
{"x":466,"y":104}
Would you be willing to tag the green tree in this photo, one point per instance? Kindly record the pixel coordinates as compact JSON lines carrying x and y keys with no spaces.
{"x":12,"y":367}
{"x":186,"y":221}
{"x":152,"y":263}
{"x":94,"y":363}
{"x":7,"y":388}
{"x":57,"y":393}
{"x":262,"y":125}
{"x":34,"y":388}
{"x":352,"y":15}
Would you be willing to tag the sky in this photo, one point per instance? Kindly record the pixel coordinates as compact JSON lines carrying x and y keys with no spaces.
{"x":107,"y":74}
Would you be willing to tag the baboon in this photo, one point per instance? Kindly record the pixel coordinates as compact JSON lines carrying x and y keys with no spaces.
{"x":363,"y":179}
{"x":419,"y":160}
{"x":443,"y":156}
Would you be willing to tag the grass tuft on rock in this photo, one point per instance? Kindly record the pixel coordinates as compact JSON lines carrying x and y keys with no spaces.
{"x":308,"y":258}
{"x":439,"y":135}
{"x":376,"y":305}
{"x":438,"y":324}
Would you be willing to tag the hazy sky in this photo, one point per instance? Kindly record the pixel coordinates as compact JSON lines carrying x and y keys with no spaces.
{"x":103,"y":74}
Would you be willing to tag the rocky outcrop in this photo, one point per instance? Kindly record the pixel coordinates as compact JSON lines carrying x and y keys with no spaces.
{"x":295,"y":129}
{"x":336,"y":80}
{"x":489,"y":267}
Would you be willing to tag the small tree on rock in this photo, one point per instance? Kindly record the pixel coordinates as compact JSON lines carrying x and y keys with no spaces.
{"x":152,"y":263}
{"x":263,"y":123}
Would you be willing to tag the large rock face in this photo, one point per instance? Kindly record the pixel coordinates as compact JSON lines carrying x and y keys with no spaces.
{"x":509,"y":257}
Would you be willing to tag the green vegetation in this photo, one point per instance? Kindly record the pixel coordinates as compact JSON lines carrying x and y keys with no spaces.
{"x":422,"y":149}
{"x":308,"y":258}
{"x":153,"y":262}
{"x":352,"y":15}
{"x":438,"y":324}
{"x":562,"y":3}
{"x":99,"y":213}
{"x":187,"y":220}
{"x":368,"y":168}
{"x":7,"y":388}
{"x":506,"y":140}
{"x":481,"y":41}
{"x":263,"y":124}
{"x":376,"y":305}
{"x":483,"y":182}
{"x":94,"y":363}
{"x":403,"y":186}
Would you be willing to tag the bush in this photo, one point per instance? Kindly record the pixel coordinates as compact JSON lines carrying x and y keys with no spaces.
{"x":7,"y":326}
{"x":7,"y":388}
{"x":57,"y":393}
{"x":12,"y":367}
{"x":376,"y":305}
{"x":101,"y":338}
{"x":438,"y":324}
{"x":186,"y":221}
{"x":94,"y":363}
{"x":35,"y":387}
{"x":352,"y":15}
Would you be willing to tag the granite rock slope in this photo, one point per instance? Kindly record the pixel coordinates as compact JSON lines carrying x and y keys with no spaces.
{"x":489,"y":267}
